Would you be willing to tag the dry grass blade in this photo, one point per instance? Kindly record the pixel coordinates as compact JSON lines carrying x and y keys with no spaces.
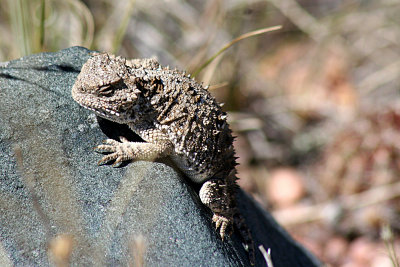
{"x":389,"y":239}
{"x":333,"y":208}
{"x":122,"y":27}
{"x":218,"y":85}
{"x":302,"y":18}
{"x":379,"y":78}
{"x":86,"y":21}
{"x":19,"y":16}
{"x":41,"y":28}
{"x":234,"y":41}
{"x":267,"y":255}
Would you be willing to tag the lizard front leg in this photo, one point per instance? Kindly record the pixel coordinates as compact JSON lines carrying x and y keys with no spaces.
{"x":158,"y":146}
{"x":214,"y":195}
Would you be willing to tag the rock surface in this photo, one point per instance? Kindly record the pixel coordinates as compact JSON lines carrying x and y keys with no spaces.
{"x":51,"y":188}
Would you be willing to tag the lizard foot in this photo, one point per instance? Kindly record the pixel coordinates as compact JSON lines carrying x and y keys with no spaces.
{"x":119,"y":151}
{"x":213,"y":194}
{"x":222,"y":223}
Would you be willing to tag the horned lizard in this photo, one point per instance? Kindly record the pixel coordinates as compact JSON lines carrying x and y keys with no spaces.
{"x":176,"y":117}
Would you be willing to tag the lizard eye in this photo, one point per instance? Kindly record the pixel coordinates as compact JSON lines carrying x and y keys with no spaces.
{"x":106,"y":90}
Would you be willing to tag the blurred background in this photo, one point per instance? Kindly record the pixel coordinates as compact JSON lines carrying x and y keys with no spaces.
{"x":315,"y":105}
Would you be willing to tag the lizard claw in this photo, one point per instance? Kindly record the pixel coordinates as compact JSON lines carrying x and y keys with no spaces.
{"x":116,"y":149}
{"x":222,"y":223}
{"x":117,"y":162}
{"x":108,"y":158}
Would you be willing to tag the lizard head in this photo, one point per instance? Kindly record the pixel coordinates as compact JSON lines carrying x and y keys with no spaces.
{"x":103,"y":86}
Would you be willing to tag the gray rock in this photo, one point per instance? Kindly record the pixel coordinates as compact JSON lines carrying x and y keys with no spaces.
{"x":50,"y":185}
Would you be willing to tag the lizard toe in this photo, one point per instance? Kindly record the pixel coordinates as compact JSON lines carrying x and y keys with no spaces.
{"x":117,"y":162}
{"x":221,"y":223}
{"x":104,"y":148}
{"x":107,"y":158}
{"x":111,"y":142}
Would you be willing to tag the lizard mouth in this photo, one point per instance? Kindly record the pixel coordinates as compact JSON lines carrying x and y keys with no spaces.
{"x":111,"y":114}
{"x":106,"y":113}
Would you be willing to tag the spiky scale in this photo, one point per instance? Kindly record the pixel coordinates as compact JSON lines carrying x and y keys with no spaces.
{"x":177,"y":118}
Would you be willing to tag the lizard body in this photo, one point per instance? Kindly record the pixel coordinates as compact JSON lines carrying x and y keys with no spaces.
{"x":176,"y":117}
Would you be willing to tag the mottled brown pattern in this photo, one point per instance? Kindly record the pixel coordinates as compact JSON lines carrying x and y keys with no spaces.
{"x":176,"y":116}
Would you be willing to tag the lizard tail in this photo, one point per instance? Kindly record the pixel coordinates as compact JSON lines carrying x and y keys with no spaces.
{"x":245,"y":234}
{"x":238,"y":219}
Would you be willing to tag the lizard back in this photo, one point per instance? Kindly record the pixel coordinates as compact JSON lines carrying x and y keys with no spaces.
{"x":192,"y":119}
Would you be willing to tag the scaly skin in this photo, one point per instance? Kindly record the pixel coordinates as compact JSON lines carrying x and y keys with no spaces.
{"x":176,"y":117}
